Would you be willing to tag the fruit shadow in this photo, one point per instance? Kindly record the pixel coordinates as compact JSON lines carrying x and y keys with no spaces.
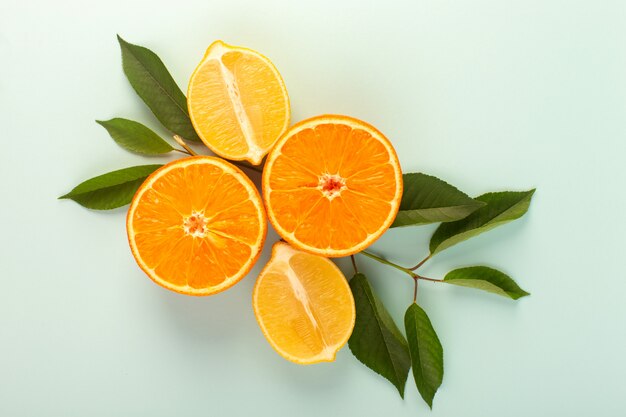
{"x":218,"y":323}
{"x":224,"y":323}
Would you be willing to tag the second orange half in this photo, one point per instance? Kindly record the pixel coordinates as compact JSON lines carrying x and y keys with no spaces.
{"x":332,"y":185}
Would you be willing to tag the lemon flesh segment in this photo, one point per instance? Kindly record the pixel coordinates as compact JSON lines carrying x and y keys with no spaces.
{"x":238,"y":102}
{"x":303,"y":305}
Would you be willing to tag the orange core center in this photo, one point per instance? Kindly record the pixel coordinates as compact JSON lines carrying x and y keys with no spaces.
{"x":195,"y":225}
{"x":331,"y":185}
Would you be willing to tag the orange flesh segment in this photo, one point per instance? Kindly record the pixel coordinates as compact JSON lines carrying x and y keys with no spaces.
{"x":238,"y":102}
{"x":303,"y":305}
{"x":196,"y":226}
{"x":332,"y":153}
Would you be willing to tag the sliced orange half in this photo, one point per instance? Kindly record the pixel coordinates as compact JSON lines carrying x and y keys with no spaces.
{"x":304,"y":305}
{"x":196,"y":225}
{"x":332,"y":185}
{"x":238,"y":102}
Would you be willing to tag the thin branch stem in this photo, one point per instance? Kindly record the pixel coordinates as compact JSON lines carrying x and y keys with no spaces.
{"x":356,"y":270}
{"x":243,"y":164}
{"x":422,"y":262}
{"x":415,"y":289}
{"x":398,"y":267}
{"x":181,"y":151}
{"x":189,"y":151}
{"x":182,"y":143}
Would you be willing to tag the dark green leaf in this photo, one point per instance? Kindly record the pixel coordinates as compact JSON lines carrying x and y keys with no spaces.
{"x":487,"y":279}
{"x":499,"y":208}
{"x":427,"y":199}
{"x":156,"y":87}
{"x":111,"y":190}
{"x":426,"y":352}
{"x":135,"y":137}
{"x":376,"y":340}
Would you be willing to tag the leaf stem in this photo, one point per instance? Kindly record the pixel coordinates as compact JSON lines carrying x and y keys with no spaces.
{"x":391,"y":264}
{"x":422,"y":262}
{"x":415,"y":289}
{"x":182,"y":143}
{"x":356,"y":270}
{"x":430,"y":279}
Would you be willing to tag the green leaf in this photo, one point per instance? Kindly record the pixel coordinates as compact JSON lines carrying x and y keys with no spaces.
{"x":135,"y":137}
{"x":426,"y":352}
{"x":487,"y":279}
{"x":111,"y":190}
{"x":500,"y":208}
{"x":427,"y":199}
{"x":376,"y":340}
{"x":156,"y":87}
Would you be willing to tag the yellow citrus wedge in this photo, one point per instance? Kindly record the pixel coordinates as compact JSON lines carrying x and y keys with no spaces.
{"x":196,"y":225}
{"x":304,"y":305}
{"x":238,"y":102}
{"x":332,"y":185}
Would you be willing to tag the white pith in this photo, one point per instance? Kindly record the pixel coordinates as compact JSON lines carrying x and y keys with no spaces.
{"x":216,"y":53}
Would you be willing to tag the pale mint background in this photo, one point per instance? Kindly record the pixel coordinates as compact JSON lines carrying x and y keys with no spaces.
{"x":486,"y":94}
